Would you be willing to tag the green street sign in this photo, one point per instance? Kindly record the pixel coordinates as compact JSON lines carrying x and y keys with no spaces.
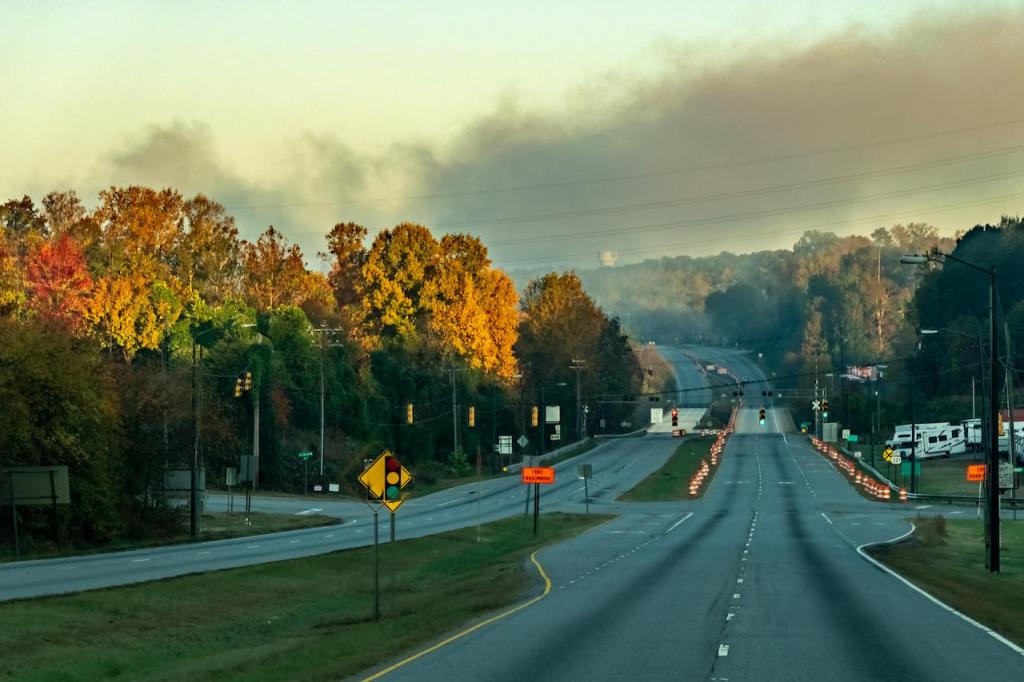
{"x":852,"y":438}
{"x":305,"y":455}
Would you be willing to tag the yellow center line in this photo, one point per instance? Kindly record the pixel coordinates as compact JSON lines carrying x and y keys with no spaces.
{"x":459,"y":635}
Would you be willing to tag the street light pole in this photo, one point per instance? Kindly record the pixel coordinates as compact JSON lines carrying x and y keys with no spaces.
{"x":992,"y":467}
{"x":194,"y":495}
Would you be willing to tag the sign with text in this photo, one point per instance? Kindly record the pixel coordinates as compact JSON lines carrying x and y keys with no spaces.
{"x":504,"y":445}
{"x":657,"y":415}
{"x":1006,"y":476}
{"x":34,"y":485}
{"x":975,"y":473}
{"x":552,"y":414}
{"x":544,"y":475}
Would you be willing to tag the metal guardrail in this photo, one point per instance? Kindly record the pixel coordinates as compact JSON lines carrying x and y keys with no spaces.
{"x":957,"y":500}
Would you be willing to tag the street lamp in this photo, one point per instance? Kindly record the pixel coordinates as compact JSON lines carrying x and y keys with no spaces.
{"x":992,"y":470}
{"x":544,"y":417}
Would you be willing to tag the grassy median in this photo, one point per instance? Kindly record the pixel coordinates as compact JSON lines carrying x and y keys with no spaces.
{"x":672,"y":480}
{"x":947,"y":558}
{"x":306,"y":619}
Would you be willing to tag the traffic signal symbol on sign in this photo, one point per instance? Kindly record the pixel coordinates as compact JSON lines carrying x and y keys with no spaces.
{"x":384,"y":480}
{"x":392,"y":478}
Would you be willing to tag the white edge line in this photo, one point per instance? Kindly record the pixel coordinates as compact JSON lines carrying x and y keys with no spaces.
{"x":830,"y":520}
{"x":987,"y":630}
{"x":676,"y":524}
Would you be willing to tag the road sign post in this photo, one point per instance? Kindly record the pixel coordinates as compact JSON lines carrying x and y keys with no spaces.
{"x":383,"y":479}
{"x":585,"y":471}
{"x":537,"y":476}
{"x":304,"y":456}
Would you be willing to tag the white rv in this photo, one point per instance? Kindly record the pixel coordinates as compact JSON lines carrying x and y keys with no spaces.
{"x":932,"y":440}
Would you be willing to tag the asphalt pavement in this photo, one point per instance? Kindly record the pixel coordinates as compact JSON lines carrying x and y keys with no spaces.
{"x":758,"y":580}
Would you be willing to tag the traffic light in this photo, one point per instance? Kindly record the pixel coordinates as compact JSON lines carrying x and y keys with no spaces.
{"x":824,"y":409}
{"x":238,"y":387}
{"x":392,"y":479}
{"x":533,"y":417}
{"x":999,"y":422}
{"x":675,"y":417}
{"x":247,"y":384}
{"x":408,"y":413}
{"x":472,"y":416}
{"x":761,"y":416}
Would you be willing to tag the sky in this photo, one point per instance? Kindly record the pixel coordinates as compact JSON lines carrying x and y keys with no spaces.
{"x":563,"y":134}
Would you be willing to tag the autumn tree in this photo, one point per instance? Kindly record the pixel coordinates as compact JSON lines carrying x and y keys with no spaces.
{"x":58,"y":282}
{"x":207,"y":254}
{"x":274,"y":273}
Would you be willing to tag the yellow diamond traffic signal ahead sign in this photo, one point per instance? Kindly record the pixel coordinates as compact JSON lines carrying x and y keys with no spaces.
{"x":384,"y":480}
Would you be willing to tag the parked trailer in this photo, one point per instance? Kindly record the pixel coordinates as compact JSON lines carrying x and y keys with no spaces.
{"x":932,"y":440}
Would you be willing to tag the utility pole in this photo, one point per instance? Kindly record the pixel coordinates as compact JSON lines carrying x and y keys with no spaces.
{"x":323,"y":341}
{"x":455,"y":414}
{"x":193,"y":514}
{"x":578,"y":365}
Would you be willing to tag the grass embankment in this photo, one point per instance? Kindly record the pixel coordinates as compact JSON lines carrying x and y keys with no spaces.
{"x":947,"y":558}
{"x":212,"y":526}
{"x":672,"y":480}
{"x":306,"y":619}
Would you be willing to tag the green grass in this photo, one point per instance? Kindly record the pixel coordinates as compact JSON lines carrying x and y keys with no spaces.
{"x":947,"y":558}
{"x":212,"y":526}
{"x":671,"y":481}
{"x":306,"y":619}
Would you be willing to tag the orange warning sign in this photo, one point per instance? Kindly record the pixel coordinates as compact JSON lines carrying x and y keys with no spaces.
{"x":975,"y":472}
{"x":538,"y":474}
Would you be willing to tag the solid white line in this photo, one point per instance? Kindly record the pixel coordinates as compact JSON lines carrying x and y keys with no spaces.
{"x":138,"y":561}
{"x":995,"y":635}
{"x":676,"y":524}
{"x":201,"y":553}
{"x":292,"y":542}
{"x":827,"y":519}
{"x":457,"y":499}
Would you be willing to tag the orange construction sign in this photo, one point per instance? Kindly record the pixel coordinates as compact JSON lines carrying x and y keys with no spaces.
{"x":975,"y":473}
{"x":538,"y":474}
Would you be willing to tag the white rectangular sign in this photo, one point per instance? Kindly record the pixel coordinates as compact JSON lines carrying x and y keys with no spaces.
{"x":657,"y":415}
{"x":1006,"y":475}
{"x":504,"y":445}
{"x":552,"y":414}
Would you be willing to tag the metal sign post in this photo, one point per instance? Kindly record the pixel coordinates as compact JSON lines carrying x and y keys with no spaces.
{"x":376,"y":568}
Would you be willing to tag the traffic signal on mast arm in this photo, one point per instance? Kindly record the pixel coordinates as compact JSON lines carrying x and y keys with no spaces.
{"x":824,"y":409}
{"x":247,"y":384}
{"x":999,"y":420}
{"x":238,"y":387}
{"x":472,"y":416}
{"x":761,"y":416}
{"x":533,"y":417}
{"x":408,"y":413}
{"x":675,"y":417}
{"x":392,"y":479}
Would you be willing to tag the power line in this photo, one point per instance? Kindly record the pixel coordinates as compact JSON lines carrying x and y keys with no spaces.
{"x":764,"y":213}
{"x":641,"y":175}
{"x":721,"y":196}
{"x":661,"y":248}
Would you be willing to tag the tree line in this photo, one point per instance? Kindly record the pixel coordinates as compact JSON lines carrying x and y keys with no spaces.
{"x":105,"y":313}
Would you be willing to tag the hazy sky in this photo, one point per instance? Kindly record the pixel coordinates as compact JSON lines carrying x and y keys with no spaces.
{"x":554,"y":130}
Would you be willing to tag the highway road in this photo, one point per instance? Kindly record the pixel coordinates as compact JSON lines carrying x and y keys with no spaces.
{"x":759,"y":580}
{"x":618,"y":464}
